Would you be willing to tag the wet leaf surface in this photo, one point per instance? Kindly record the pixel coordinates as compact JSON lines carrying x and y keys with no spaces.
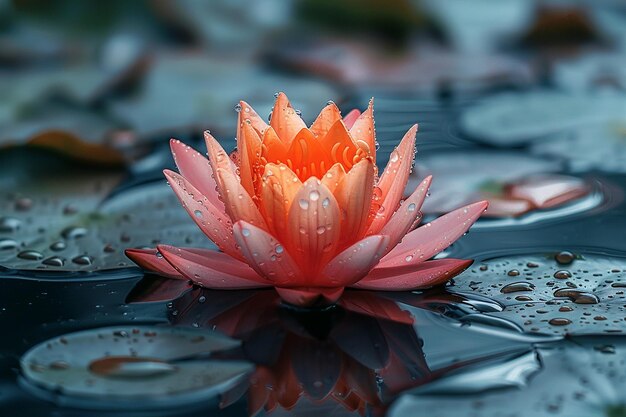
{"x":584,"y":377}
{"x":553,"y":293}
{"x":179,"y":97}
{"x":67,"y":220}
{"x":113,"y":367}
{"x":502,"y":120}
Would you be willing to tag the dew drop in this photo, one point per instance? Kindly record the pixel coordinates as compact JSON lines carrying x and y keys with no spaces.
{"x":31,"y":255}
{"x":564,"y":257}
{"x":9,"y":224}
{"x":58,"y":246}
{"x":7,"y":244}
{"x":54,"y":261}
{"x":73,"y":232}
{"x":314,"y":195}
{"x":304,"y":204}
{"x":517,"y":286}
{"x":82,"y":260}
{"x":563,"y":274}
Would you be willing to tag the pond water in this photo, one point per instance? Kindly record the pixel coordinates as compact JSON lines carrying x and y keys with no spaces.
{"x":533,"y":326}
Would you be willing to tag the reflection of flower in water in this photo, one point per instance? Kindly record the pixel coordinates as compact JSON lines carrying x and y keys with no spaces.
{"x":339,"y":354}
{"x":303,"y":210}
{"x":358,"y":353}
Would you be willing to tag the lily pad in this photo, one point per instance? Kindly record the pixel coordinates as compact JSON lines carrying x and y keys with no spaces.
{"x":64,"y":220}
{"x":514,"y":183}
{"x":600,"y":147}
{"x":554,"y":293}
{"x":481,"y":25}
{"x":418,"y":69}
{"x":599,"y":70}
{"x":514,"y":119}
{"x":580,"y":379}
{"x":190,"y":93}
{"x":139,"y":367}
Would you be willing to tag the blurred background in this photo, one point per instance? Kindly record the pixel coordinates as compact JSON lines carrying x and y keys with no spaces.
{"x":109,"y":81}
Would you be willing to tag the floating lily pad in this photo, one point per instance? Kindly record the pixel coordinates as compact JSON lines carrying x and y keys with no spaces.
{"x":556,"y":293}
{"x":481,"y":25}
{"x":417,"y":69}
{"x":514,"y":183}
{"x":67,"y":220}
{"x":190,"y":93}
{"x":517,"y":118}
{"x":131,"y":368}
{"x":601,"y":147}
{"x":592,"y":71}
{"x":580,"y":379}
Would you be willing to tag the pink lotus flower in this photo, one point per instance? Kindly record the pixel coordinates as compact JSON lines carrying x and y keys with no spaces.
{"x":304,"y":211}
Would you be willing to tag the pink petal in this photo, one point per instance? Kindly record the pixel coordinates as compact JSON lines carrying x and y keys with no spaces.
{"x":197,"y":170}
{"x":212,"y":221}
{"x":218,"y":158}
{"x":355,"y":262}
{"x":266,"y":255}
{"x":313,"y":226}
{"x":423,"y":275}
{"x":247,"y":114}
{"x":212,"y":269}
{"x":238,"y":203}
{"x":351,"y":117}
{"x":150,"y":260}
{"x":407,"y":216}
{"x":305,"y":297}
{"x":430,"y":239}
{"x":545,"y":191}
{"x":393,"y":180}
{"x":362,"y":129}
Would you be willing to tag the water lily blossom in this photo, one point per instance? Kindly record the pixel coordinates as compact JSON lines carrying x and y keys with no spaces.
{"x":303,"y":209}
